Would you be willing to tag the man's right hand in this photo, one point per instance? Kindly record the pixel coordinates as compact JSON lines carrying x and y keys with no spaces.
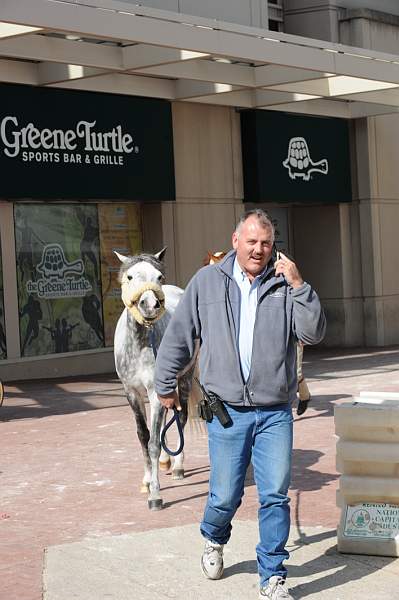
{"x":170,"y":401}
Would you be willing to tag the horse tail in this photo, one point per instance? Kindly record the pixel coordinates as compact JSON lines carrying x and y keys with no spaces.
{"x":189,"y":394}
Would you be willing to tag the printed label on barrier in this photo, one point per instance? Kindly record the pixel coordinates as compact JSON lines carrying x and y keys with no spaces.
{"x":372,"y":520}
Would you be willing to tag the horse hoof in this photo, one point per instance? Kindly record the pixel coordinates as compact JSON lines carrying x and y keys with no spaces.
{"x":164,"y":465}
{"x":145,"y":488}
{"x":302,"y":407}
{"x":155,"y":504}
{"x":178,"y":474}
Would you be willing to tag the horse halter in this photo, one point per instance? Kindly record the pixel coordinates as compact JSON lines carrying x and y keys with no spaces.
{"x":133,"y":308}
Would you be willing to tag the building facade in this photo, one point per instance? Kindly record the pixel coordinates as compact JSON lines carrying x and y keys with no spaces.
{"x":160,"y":131}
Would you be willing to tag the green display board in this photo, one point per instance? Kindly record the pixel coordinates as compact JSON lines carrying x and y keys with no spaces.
{"x":59,"y":278}
{"x":3,"y":346}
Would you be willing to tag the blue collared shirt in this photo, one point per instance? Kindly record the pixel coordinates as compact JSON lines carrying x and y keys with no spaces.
{"x":248,"y":304}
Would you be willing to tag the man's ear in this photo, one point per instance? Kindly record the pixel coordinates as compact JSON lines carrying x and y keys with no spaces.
{"x":159,"y":255}
{"x":122,"y":258}
{"x":234,"y":240}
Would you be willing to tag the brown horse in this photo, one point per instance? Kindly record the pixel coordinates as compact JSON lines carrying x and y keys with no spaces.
{"x":211,"y":258}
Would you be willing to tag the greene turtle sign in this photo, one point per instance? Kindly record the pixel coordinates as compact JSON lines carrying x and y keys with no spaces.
{"x":295,"y":159}
{"x":69,"y":144}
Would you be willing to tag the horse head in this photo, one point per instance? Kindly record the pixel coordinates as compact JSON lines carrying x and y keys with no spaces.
{"x":141,"y":278}
{"x":214,"y":257}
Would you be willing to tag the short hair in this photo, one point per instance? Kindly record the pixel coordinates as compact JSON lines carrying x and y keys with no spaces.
{"x":263,"y":217}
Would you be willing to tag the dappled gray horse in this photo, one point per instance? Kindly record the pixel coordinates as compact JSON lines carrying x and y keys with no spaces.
{"x":149,"y":306}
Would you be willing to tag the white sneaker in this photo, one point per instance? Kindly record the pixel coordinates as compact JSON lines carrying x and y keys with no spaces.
{"x":212,"y":560}
{"x":275,"y":590}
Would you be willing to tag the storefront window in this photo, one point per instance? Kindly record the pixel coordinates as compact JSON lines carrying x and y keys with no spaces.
{"x":3,"y":347}
{"x":59,"y":278}
{"x":120,"y":229}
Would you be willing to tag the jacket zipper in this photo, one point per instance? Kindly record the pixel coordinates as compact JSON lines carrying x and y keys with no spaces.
{"x":250,"y":370}
{"x":256,"y":318}
{"x":246,"y":393}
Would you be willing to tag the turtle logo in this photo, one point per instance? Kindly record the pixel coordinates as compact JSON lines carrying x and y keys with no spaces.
{"x":299,"y":163}
{"x":54,"y":263}
{"x":59,"y":278}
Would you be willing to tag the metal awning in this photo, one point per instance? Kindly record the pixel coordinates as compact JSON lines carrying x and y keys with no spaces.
{"x":117,"y":47}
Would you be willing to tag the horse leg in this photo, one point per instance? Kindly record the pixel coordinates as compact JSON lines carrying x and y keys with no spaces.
{"x":144,"y":435}
{"x":154,"y":450}
{"x":164,"y":461}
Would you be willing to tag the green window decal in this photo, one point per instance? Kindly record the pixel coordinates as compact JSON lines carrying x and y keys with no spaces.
{"x":59,"y":278}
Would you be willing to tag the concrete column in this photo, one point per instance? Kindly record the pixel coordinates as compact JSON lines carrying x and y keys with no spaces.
{"x":169,"y":240}
{"x":9,"y":280}
{"x":312,"y":18}
{"x":367,"y":458}
{"x":378,"y":145}
{"x":209,"y":186}
{"x":353,"y":330}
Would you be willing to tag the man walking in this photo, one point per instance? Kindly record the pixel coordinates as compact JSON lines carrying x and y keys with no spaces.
{"x":248,"y":312}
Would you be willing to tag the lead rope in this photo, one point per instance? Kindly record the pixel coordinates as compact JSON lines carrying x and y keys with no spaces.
{"x":175,"y":417}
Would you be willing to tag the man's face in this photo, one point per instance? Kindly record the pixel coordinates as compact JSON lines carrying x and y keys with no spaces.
{"x":253,"y":244}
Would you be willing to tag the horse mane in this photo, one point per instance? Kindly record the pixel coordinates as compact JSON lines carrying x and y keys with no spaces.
{"x":143,"y":257}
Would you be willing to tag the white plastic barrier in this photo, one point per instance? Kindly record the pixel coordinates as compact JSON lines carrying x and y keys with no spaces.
{"x":368,"y":460}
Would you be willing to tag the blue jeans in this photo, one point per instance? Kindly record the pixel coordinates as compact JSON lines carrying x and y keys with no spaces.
{"x":265,"y":434}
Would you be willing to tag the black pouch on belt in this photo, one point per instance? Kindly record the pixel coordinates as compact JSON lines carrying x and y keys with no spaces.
{"x":211,"y":405}
{"x":204,"y":411}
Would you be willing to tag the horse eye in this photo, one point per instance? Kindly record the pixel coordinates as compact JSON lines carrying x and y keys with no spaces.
{"x":160,"y":278}
{"x":129,"y":277}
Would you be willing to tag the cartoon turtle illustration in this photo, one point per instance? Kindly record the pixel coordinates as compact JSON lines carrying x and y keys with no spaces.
{"x":299,"y":163}
{"x":54,"y":263}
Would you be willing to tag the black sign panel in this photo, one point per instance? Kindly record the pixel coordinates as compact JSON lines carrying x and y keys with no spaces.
{"x":290,"y":158}
{"x":70,"y":144}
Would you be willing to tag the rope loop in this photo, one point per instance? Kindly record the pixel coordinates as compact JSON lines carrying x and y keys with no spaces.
{"x":175,"y":418}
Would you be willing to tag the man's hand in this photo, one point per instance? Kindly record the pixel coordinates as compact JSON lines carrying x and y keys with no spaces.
{"x":285,"y":266}
{"x":170,"y":401}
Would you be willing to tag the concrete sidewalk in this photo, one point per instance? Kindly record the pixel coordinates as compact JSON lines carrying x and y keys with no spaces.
{"x":70,"y":473}
{"x":164,"y":564}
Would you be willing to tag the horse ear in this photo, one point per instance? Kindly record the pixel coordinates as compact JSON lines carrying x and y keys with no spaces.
{"x":159,"y":255}
{"x":122,"y":258}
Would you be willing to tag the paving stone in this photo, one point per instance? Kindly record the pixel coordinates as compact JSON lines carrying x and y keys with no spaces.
{"x":71,"y":465}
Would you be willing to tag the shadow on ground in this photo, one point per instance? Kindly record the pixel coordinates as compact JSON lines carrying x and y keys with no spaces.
{"x":38,"y":399}
{"x":346,"y":568}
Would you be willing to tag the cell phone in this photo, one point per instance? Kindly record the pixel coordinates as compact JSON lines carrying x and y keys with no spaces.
{"x":276,"y":254}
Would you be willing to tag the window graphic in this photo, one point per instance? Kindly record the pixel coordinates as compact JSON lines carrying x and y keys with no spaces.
{"x":120,"y":230}
{"x":59,"y":281}
{"x":3,"y":347}
{"x":299,"y":162}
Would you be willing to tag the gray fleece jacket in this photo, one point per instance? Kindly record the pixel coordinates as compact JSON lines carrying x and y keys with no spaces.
{"x":209,"y":311}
